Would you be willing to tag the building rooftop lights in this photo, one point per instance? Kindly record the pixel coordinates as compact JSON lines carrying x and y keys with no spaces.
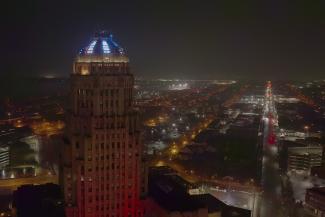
{"x":106,"y":49}
{"x":90,"y":49}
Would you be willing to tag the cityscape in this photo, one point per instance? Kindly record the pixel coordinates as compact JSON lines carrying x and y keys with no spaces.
{"x":102,"y":139}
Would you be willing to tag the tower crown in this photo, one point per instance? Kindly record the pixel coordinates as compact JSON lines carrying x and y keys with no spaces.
{"x":102,"y":44}
{"x":102,"y":48}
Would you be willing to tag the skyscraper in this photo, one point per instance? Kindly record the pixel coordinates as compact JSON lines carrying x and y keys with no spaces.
{"x":101,"y":159}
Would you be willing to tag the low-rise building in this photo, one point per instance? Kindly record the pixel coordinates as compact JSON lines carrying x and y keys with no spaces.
{"x":169,"y":197}
{"x":304,"y":158}
{"x":315,"y":201}
{"x":38,"y":201}
{"x":300,"y":155}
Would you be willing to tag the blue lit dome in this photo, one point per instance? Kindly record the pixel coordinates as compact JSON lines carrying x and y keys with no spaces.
{"x":102,"y":48}
{"x":102,"y":44}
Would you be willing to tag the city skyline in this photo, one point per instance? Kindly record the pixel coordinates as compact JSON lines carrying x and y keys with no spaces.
{"x":162,"y":109}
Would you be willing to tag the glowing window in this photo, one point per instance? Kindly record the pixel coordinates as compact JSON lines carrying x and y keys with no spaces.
{"x":105,"y":47}
{"x":91,"y":47}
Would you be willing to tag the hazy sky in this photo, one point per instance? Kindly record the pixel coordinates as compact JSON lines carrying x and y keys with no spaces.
{"x":171,"y":38}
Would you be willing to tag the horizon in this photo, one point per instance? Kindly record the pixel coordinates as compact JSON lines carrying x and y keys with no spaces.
{"x":167,"y":39}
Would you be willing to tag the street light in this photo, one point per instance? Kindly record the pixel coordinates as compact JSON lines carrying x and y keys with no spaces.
{"x":306,"y":128}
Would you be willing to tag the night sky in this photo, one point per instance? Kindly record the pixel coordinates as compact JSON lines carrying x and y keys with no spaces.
{"x":231,"y":39}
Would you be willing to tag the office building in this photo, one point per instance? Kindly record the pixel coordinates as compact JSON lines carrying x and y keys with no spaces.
{"x":102,"y":155}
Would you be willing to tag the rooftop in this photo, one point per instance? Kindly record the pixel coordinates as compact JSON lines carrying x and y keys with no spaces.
{"x":102,"y":44}
{"x":318,"y":190}
{"x":170,"y":193}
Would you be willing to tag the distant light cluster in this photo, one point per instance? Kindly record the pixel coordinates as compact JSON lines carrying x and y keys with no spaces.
{"x":182,"y":86}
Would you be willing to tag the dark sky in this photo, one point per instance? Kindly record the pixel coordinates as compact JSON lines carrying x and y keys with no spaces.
{"x":170,"y":39}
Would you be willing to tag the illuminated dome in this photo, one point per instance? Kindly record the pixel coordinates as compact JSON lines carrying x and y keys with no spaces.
{"x":102,"y":44}
{"x":102,"y":48}
{"x":102,"y":56}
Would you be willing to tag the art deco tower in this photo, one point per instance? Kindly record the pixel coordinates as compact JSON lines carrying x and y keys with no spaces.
{"x":102,"y":155}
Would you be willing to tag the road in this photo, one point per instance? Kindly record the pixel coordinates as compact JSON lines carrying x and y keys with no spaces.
{"x":271,"y":201}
